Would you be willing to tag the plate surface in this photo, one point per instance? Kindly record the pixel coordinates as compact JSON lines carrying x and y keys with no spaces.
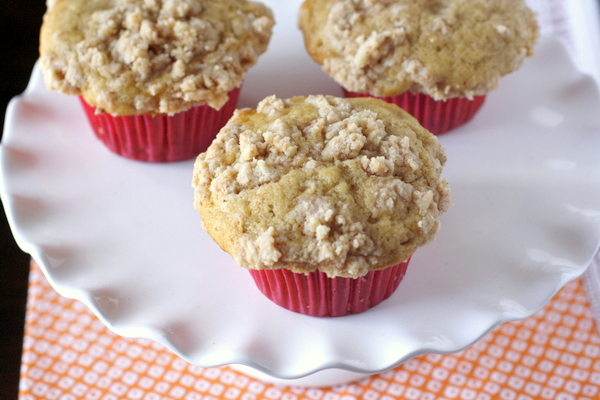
{"x":124,"y":238}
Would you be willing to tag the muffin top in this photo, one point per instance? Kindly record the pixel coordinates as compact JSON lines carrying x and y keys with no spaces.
{"x":345,"y":186}
{"x":443,"y":48}
{"x":130,"y":57}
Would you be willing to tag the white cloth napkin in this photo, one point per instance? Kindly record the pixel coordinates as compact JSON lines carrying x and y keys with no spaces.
{"x":577,"y":23}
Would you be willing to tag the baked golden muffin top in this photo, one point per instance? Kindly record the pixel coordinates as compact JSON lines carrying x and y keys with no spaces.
{"x":130,"y":57}
{"x":344,"y":186}
{"x":443,"y":48}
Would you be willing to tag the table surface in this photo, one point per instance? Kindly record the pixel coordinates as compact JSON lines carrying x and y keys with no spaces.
{"x":554,"y":353}
{"x":70,"y":354}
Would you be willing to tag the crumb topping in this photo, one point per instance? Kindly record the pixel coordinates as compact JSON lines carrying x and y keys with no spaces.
{"x":345,"y":186}
{"x":152,"y":56}
{"x":443,"y":48}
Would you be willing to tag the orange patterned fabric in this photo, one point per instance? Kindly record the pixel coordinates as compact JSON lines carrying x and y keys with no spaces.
{"x":70,"y":355}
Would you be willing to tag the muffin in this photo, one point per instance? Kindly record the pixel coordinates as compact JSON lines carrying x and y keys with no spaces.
{"x":323,"y":199}
{"x":157,"y":78}
{"x":437,"y":59}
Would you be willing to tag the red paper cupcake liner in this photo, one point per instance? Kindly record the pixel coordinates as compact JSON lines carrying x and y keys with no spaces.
{"x":161,"y":137}
{"x":317,"y":295}
{"x":437,"y":116}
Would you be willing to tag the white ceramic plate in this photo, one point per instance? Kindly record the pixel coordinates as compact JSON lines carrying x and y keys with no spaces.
{"x":123,"y":237}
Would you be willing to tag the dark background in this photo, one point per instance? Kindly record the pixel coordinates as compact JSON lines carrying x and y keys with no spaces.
{"x":20,"y":21}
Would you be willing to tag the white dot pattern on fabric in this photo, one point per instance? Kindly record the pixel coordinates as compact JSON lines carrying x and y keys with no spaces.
{"x":69,"y":354}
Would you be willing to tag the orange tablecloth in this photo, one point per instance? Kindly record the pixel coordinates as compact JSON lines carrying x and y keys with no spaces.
{"x":70,"y":355}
